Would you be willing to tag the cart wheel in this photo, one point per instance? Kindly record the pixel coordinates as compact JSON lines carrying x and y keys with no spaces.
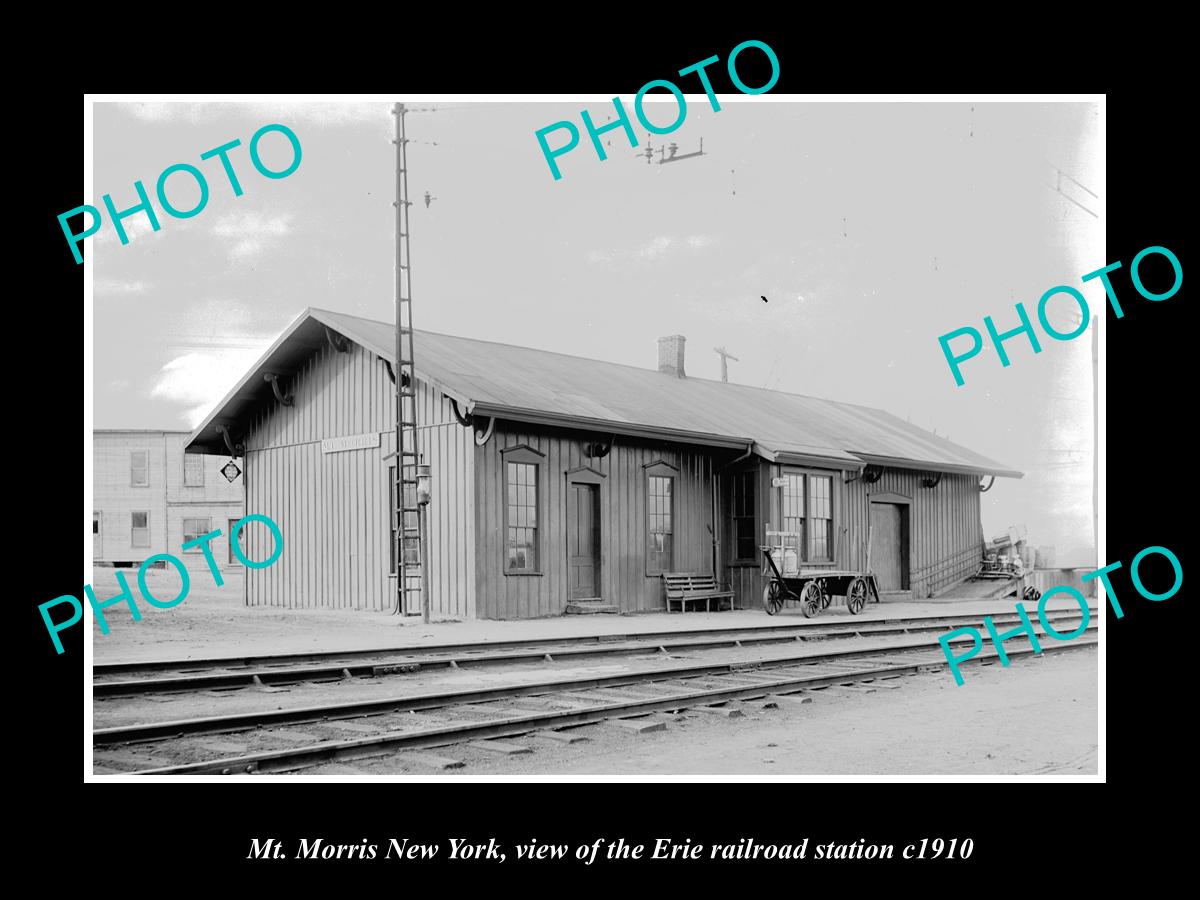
{"x":810,"y":600}
{"x":856,"y":596}
{"x":772,"y":597}
{"x":826,"y":597}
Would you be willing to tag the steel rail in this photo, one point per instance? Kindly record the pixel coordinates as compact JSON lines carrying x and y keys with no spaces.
{"x":315,"y":754}
{"x":150,"y":731}
{"x":243,"y":670}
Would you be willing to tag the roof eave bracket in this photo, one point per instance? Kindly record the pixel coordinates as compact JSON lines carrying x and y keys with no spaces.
{"x":235,"y":449}
{"x":273,"y":380}
{"x":336,"y":341}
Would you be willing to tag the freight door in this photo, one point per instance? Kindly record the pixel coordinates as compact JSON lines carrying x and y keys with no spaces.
{"x":888,"y":546}
{"x":583,"y":540}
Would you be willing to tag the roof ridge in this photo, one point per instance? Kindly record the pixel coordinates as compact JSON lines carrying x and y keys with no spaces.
{"x":608,"y":362}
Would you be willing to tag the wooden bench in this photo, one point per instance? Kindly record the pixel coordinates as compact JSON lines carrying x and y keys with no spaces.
{"x":684,"y":588}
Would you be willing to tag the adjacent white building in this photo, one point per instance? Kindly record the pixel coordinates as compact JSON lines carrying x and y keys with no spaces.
{"x":150,"y":497}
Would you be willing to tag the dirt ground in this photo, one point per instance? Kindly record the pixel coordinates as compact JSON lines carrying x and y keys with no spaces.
{"x":1037,"y":717}
{"x":213,"y":621}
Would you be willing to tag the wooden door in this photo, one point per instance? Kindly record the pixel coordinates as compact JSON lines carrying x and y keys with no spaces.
{"x":583,"y":541}
{"x":887,"y":545}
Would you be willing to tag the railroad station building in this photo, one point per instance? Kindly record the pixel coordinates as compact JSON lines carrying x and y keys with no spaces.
{"x":559,"y":480}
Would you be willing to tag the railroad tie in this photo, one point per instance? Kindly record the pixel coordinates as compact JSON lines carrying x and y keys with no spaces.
{"x":260,"y":685}
{"x":727,"y":712}
{"x":639,"y":726}
{"x":561,"y":737}
{"x":506,"y":747}
{"x":432,"y":761}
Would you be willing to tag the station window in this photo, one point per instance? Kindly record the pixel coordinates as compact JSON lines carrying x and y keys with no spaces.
{"x":806,"y":508}
{"x":193,"y":470}
{"x":139,"y":468}
{"x":660,"y":498}
{"x":522,"y":516}
{"x":820,"y":518}
{"x":95,"y":523}
{"x":139,"y":531}
{"x":522,"y":501}
{"x":194,"y":528}
{"x":745,"y":528}
{"x":792,"y":508}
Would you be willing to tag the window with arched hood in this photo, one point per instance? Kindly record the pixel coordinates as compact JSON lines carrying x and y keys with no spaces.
{"x":522,"y":510}
{"x":660,"y":517}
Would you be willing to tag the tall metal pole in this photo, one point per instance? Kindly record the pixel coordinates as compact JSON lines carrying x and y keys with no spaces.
{"x":406,"y":457}
{"x":1096,"y":436}
{"x":397,"y":485}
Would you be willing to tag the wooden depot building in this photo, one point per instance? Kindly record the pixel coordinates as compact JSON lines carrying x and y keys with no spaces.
{"x":560,"y":480}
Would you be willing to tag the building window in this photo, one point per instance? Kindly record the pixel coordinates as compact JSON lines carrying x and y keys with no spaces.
{"x":660,"y":508}
{"x":806,"y":508}
{"x":820,"y":518}
{"x":95,"y":523}
{"x":139,"y":532}
{"x":194,"y":528}
{"x":745,"y":528}
{"x":792,"y":509}
{"x":193,"y":470}
{"x":522,"y":516}
{"x":139,"y":468}
{"x":522,"y":501}
{"x":233,"y":560}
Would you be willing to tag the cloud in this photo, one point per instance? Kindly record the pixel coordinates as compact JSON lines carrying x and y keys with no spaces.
{"x":199,"y":380}
{"x":321,"y":115}
{"x":248,"y":234}
{"x":115,"y":286}
{"x":137,"y":226}
{"x":655,"y":248}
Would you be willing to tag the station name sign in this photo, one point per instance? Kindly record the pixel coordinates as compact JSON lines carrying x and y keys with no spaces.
{"x":350,"y":442}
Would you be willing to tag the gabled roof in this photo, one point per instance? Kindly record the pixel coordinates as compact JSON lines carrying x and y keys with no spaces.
{"x":523,"y":384}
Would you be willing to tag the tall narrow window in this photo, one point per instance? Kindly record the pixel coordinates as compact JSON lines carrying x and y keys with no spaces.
{"x":139,"y":468}
{"x":194,"y":528}
{"x":522,"y":470}
{"x":820,"y":518}
{"x":139,"y":531}
{"x":193,"y":470}
{"x":660,"y":508}
{"x":95,"y":523}
{"x":522,"y":517}
{"x":792,"y":511}
{"x":745,"y":529}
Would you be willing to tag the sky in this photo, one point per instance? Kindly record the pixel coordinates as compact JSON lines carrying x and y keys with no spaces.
{"x":871,"y":228}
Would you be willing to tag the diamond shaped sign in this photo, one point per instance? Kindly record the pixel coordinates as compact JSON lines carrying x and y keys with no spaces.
{"x":230,"y":471}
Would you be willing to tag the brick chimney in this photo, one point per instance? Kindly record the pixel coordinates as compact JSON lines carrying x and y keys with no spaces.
{"x":670,"y":355}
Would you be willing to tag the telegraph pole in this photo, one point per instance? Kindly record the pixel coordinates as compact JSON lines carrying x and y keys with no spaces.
{"x":410,"y":548}
{"x":724,"y":354}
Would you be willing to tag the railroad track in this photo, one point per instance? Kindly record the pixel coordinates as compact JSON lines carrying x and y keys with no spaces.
{"x":182,"y":676}
{"x":288,"y":739}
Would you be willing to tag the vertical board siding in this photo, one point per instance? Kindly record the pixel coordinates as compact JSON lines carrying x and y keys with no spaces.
{"x":333,"y":508}
{"x":945,"y":530}
{"x":623,"y":521}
